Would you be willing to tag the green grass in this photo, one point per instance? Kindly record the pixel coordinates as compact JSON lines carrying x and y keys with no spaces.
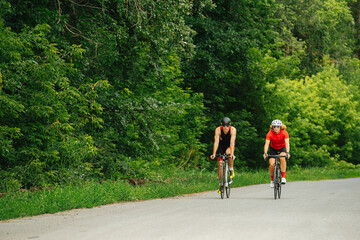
{"x":91,"y":194}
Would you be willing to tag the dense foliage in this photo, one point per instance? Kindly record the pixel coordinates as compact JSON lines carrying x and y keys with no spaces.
{"x":120,"y":88}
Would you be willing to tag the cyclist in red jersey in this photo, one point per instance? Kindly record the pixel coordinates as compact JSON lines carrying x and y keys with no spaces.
{"x":278,"y":139}
{"x":224,"y":141}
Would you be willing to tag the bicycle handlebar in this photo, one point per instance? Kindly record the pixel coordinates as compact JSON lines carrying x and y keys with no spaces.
{"x":277,"y":156}
{"x":223,"y":155}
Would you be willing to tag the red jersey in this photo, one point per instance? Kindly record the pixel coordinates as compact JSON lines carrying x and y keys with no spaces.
{"x":277,"y":140}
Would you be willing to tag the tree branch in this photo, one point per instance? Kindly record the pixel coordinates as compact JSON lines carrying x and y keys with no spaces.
{"x":82,"y":5}
{"x":59,"y":11}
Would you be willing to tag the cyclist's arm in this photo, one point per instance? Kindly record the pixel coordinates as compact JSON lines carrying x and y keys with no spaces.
{"x":287,"y":145}
{"x":266,"y":146}
{"x":232,"y":141}
{"x":216,"y":140}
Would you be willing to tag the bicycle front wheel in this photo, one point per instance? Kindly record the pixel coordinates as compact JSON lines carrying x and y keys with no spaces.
{"x":279,"y":191}
{"x":228,"y":184}
{"x":275,"y":190}
{"x":279,"y":181}
{"x":276,"y":182}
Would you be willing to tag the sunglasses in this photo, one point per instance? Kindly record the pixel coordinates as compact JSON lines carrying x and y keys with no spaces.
{"x":228,"y":125}
{"x":276,"y":126}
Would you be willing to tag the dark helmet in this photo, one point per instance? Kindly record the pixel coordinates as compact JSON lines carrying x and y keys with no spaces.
{"x":225,"y":121}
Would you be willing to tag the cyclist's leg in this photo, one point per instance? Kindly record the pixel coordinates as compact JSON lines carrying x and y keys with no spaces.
{"x":219,"y":168}
{"x":271,"y":170}
{"x":283,"y":166}
{"x":271,"y":167}
{"x":272,"y":151}
{"x":231,"y":161}
{"x":220,"y":161}
{"x":283,"y":162}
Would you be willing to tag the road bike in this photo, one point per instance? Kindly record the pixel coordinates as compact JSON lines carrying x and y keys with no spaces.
{"x":225,"y":180}
{"x":277,"y":175}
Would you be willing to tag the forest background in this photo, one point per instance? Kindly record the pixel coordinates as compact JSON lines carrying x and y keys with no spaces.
{"x":111,"y":89}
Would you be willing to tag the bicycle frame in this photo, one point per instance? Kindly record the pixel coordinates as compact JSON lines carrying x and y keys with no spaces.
{"x":277,"y":174}
{"x":225,"y":182}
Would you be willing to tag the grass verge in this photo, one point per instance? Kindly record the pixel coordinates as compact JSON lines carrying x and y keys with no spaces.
{"x":91,"y":194}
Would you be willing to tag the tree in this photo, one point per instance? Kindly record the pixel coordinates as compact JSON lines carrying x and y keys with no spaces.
{"x":228,"y":41}
{"x":321,"y":115}
{"x":136,"y":47}
{"x":325,"y":27}
{"x":355,"y":8}
{"x":43,"y":116}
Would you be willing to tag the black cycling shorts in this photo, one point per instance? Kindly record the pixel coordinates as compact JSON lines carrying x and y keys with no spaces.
{"x":276,"y":152}
{"x":222,"y":150}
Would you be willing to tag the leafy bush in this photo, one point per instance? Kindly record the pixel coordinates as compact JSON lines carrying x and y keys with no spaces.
{"x":43,"y":116}
{"x":321,"y":113}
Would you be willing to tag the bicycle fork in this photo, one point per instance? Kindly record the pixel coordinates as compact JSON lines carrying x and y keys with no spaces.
{"x":225,"y":175}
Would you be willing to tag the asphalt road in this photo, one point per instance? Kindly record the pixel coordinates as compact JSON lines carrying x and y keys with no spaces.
{"x":307,"y":210}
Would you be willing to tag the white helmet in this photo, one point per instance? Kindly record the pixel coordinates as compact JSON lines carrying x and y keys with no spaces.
{"x":276,"y":122}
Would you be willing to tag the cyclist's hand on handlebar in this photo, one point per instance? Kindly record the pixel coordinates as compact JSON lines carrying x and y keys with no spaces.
{"x":288,"y":155}
{"x":212,"y":156}
{"x":232,"y":157}
{"x":265,"y":155}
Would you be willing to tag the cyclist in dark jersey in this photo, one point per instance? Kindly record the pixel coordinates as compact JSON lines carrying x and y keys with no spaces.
{"x":224,"y":141}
